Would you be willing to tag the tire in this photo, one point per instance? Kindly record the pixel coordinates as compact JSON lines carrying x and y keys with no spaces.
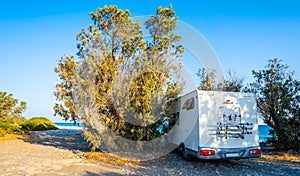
{"x":179,"y":148}
{"x":185,"y":154}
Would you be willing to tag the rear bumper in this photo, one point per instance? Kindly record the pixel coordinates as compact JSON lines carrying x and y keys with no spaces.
{"x":229,"y":153}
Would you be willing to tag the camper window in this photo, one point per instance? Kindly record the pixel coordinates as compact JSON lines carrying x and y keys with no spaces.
{"x":188,"y":104}
{"x":176,"y":118}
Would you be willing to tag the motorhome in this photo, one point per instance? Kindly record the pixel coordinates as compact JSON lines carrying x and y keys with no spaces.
{"x":216,"y":125}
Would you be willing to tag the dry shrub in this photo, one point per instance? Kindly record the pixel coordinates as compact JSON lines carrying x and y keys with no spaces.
{"x":109,"y":159}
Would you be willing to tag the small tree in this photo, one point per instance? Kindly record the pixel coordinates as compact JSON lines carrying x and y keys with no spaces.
{"x":207,"y":78}
{"x":208,"y":81}
{"x":278,"y":99}
{"x":233,"y":83}
{"x":10,"y":106}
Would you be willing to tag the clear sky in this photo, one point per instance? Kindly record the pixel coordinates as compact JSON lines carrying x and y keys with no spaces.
{"x":34,"y":34}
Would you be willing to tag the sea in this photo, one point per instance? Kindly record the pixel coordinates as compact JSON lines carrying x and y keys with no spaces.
{"x":263,"y":130}
{"x":69,"y":125}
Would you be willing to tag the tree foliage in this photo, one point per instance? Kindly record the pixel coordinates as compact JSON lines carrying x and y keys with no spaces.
{"x":121,"y":79}
{"x":9,"y":106}
{"x":17,"y":124}
{"x":65,"y":69}
{"x":12,"y":121}
{"x":233,"y":83}
{"x":278,"y":99}
{"x":38,"y":124}
{"x":207,"y":77}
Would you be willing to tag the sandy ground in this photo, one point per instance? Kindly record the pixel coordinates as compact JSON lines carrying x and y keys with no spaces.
{"x":49,"y":155}
{"x":61,"y":152}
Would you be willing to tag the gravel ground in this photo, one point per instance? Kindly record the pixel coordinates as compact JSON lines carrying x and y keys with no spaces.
{"x":60,"y":152}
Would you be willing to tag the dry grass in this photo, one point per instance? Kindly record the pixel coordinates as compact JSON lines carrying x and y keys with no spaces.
{"x":282,"y":157}
{"x":10,"y":137}
{"x":116,"y":160}
{"x":163,"y":158}
{"x":109,"y":159}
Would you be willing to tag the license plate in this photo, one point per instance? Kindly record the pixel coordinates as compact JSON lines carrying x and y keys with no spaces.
{"x":231,"y":155}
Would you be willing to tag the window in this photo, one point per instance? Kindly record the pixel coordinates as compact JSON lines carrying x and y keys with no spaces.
{"x":189,"y":104}
{"x":175,"y":118}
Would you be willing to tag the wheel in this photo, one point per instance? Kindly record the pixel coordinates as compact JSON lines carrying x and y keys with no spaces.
{"x":185,"y":154}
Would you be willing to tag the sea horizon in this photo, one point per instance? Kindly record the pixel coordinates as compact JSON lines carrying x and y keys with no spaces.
{"x":263,"y":130}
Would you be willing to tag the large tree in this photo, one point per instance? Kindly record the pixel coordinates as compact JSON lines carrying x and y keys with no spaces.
{"x":278,"y":99}
{"x":121,"y":79}
{"x":9,"y":106}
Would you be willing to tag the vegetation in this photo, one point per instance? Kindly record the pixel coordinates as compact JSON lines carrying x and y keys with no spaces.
{"x":278,"y":99}
{"x":12,"y":121}
{"x":10,"y":106}
{"x":120,"y":79}
{"x":7,"y":127}
{"x":10,"y":125}
{"x":207,"y":79}
{"x":10,"y":114}
{"x":38,"y":124}
{"x":282,"y":157}
{"x":2,"y":132}
{"x":109,"y":159}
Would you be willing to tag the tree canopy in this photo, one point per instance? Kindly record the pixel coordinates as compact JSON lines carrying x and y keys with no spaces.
{"x":10,"y":106}
{"x":208,"y":81}
{"x":121,"y":79}
{"x":278,"y":100}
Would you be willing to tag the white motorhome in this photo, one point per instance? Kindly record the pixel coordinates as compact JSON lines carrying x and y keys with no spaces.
{"x":216,"y":125}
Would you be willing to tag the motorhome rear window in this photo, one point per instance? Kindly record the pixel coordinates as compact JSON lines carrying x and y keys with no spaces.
{"x":189,"y":104}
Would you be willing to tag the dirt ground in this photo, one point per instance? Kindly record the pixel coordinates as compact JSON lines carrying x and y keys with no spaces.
{"x":62,"y":152}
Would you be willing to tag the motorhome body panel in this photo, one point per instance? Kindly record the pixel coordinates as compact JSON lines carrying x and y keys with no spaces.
{"x":222,"y":122}
{"x":227,"y":120}
{"x":189,"y":120}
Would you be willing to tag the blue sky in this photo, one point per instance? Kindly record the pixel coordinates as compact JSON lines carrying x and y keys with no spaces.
{"x":35,"y":34}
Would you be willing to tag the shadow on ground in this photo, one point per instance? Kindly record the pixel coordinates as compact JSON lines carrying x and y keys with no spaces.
{"x":97,"y":174}
{"x":63,"y":139}
{"x":170,"y":164}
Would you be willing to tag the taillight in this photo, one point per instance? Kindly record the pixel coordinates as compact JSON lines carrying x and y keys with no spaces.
{"x":207,"y":152}
{"x":255,"y":151}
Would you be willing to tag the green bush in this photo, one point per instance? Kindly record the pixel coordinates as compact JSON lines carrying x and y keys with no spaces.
{"x":13,"y":119}
{"x":19,"y":125}
{"x":2,"y":132}
{"x":11,"y":127}
{"x":38,"y":124}
{"x":11,"y":124}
